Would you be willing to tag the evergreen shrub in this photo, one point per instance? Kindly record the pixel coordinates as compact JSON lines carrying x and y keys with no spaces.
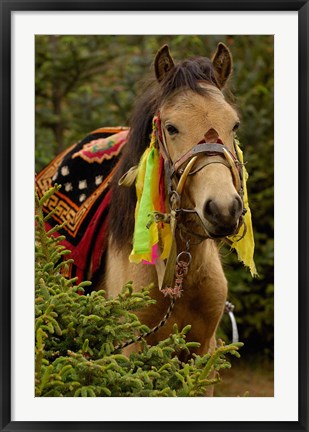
{"x":76,"y":336}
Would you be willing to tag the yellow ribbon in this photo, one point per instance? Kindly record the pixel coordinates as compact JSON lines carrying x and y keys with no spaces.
{"x":245,"y":246}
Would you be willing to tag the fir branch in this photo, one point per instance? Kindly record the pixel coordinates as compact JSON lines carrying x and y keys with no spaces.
{"x":76,"y":336}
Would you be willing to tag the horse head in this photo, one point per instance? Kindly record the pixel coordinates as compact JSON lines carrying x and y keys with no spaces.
{"x":197,"y":122}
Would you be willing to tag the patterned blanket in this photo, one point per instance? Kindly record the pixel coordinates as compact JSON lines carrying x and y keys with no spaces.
{"x":84,"y":172}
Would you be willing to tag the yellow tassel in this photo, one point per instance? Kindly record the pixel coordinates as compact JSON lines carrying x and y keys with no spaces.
{"x":245,"y":246}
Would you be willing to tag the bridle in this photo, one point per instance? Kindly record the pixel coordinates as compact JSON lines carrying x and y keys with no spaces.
{"x":176,"y":173}
{"x":171,"y":274}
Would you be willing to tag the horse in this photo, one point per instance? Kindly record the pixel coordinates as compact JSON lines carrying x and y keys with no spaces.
{"x":180,"y":162}
{"x":196,"y":126}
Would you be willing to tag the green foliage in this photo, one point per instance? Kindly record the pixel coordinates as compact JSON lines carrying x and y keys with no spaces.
{"x":85,"y":82}
{"x":77,"y":337}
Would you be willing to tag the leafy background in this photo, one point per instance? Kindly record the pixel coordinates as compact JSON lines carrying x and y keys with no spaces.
{"x":84,"y":82}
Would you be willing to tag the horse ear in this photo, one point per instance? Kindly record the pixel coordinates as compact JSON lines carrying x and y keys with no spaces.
{"x":223,"y":63}
{"x":163,"y":62}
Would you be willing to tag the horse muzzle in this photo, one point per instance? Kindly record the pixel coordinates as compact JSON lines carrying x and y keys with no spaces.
{"x":223,"y":219}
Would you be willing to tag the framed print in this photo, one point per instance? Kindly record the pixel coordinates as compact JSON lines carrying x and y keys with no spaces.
{"x":70,"y":80}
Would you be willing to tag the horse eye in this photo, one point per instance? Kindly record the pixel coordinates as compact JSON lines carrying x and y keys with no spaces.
{"x":236,"y":126}
{"x":171,"y":129}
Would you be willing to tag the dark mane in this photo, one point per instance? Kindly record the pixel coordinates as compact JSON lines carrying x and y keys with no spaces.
{"x":185,"y":75}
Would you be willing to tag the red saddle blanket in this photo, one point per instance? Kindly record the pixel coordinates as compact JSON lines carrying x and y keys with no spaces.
{"x":84,"y":171}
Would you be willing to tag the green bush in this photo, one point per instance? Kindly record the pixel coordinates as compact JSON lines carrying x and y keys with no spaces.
{"x":77,"y":336}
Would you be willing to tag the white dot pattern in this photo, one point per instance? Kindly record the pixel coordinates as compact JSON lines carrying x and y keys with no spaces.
{"x":68,"y":187}
{"x":98,"y":180}
{"x":65,"y":170}
{"x":82,"y":184}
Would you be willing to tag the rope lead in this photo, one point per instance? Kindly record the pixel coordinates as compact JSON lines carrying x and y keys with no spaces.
{"x":153,"y":330}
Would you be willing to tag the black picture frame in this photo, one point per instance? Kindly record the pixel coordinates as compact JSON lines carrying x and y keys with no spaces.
{"x":6,"y":8}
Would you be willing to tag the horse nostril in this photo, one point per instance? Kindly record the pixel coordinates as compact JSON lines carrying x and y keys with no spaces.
{"x":236,"y":207}
{"x":211,"y":210}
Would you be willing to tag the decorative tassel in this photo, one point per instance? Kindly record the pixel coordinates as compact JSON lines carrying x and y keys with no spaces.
{"x":153,"y":242}
{"x":245,"y":246}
